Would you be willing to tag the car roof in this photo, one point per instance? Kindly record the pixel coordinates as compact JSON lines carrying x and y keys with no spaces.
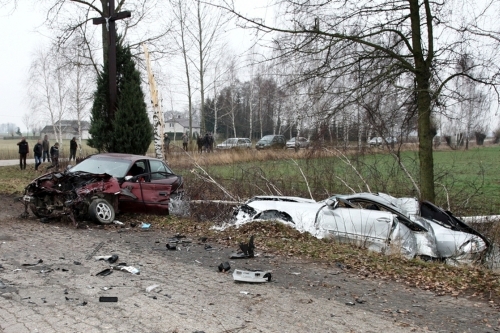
{"x":120,"y":156}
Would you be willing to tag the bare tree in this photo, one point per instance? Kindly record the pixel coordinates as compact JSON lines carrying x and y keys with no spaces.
{"x":49,"y":88}
{"x":401,"y":32}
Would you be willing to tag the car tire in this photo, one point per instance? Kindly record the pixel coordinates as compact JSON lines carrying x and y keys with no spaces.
{"x":100,"y":210}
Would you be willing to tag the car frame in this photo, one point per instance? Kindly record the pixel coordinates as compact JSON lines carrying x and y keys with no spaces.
{"x":235,"y":143}
{"x":104,"y":185}
{"x":271,"y":141}
{"x":378,"y":222}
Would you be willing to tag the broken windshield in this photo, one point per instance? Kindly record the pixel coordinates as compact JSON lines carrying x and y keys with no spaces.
{"x":113,"y":167}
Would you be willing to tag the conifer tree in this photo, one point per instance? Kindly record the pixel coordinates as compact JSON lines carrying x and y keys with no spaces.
{"x":130,"y":132}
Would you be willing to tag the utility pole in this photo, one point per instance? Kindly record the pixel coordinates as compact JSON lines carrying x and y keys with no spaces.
{"x":110,"y":27}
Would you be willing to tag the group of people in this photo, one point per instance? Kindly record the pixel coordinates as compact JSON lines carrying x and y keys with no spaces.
{"x":206,"y":143}
{"x":42,"y":152}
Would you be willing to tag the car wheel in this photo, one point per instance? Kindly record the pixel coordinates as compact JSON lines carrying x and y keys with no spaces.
{"x":101,"y":211}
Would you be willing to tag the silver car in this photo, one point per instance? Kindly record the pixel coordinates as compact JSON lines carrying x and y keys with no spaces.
{"x":378,"y":222}
{"x":233,"y":143}
{"x":300,"y":143}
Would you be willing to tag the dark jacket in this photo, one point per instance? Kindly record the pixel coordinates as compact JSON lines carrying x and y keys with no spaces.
{"x":54,"y":152}
{"x":23,"y":147}
{"x":38,"y":149}
{"x":73,"y":145}
{"x":45,"y":145}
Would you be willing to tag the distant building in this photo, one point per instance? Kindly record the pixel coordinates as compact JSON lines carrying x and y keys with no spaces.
{"x":69,"y":129}
{"x":175,"y":127}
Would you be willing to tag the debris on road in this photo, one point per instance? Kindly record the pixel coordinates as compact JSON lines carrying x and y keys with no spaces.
{"x":246,"y":250}
{"x":152,"y":287}
{"x":108,"y":299}
{"x":253,"y":276}
{"x":145,"y":226}
{"x":130,"y":269}
{"x":105,"y":272}
{"x":224,"y":267}
{"x":38,"y":262}
{"x":111,"y":259}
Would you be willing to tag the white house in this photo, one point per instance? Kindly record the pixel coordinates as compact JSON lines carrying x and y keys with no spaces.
{"x":69,"y":129}
{"x":175,"y":127}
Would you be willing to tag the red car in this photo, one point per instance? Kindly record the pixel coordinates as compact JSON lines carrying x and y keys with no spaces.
{"x":103,"y":185}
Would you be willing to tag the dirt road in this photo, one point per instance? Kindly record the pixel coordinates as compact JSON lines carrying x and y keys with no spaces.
{"x":49,"y":284}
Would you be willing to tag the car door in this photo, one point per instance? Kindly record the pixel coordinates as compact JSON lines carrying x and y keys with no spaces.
{"x":158,"y":186}
{"x":366,"y":228}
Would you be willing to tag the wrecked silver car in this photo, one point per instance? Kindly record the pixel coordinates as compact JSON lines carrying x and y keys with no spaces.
{"x":103,"y":185}
{"x":378,"y":222}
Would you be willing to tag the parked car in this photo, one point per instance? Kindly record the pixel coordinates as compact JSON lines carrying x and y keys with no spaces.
{"x":301,"y":143}
{"x":103,"y":185}
{"x":376,"y":141}
{"x":271,"y":142}
{"x":233,"y":143}
{"x":379,"y":222}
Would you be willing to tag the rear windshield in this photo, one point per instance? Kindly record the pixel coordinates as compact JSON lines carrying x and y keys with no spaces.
{"x":267,"y":138}
{"x":113,"y":167}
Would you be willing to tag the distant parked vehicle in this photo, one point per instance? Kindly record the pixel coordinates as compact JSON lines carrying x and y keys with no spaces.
{"x":271,"y":142}
{"x":391,"y":140}
{"x":376,"y":141}
{"x":301,"y":143}
{"x":234,"y":143}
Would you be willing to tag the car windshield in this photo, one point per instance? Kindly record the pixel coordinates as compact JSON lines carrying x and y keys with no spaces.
{"x":292,"y":140}
{"x":267,"y":138}
{"x":113,"y":167}
{"x":230,"y":142}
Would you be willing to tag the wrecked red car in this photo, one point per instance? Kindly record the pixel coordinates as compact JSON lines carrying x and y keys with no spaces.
{"x":103,"y":185}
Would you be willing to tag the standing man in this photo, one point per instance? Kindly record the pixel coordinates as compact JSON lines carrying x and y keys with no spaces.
{"x":72,"y":148}
{"x":46,"y":146}
{"x":54,"y":156}
{"x":185,"y":140}
{"x":166,"y":144}
{"x":38,"y":150}
{"x":23,"y":152}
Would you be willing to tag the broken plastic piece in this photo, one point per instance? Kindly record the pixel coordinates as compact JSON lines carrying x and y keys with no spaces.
{"x":248,"y":248}
{"x":118,"y":222}
{"x":105,"y":272}
{"x":145,"y":225}
{"x":108,"y":299}
{"x":224,"y":267}
{"x":131,"y":269}
{"x":251,"y":276}
{"x":151,"y":288}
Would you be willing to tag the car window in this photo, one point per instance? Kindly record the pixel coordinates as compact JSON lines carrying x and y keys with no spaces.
{"x":138,"y":168}
{"x":159,"y":170}
{"x":241,"y":142}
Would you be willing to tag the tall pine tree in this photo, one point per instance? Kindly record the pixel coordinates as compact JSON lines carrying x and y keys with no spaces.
{"x":130,"y":132}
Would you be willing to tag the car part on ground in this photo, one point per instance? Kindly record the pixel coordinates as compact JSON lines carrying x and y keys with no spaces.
{"x":252,"y":276}
{"x":378,"y":222}
{"x":104,"y":185}
{"x":271,"y":142}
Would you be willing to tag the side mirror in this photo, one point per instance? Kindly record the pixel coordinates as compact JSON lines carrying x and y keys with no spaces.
{"x":332,"y":203}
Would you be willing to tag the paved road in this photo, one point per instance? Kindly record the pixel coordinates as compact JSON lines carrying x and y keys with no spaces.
{"x":60,"y":295}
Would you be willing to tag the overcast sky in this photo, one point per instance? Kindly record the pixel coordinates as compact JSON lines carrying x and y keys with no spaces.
{"x":22,"y":33}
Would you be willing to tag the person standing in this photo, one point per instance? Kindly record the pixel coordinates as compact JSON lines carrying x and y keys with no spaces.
{"x":54,"y":156}
{"x":185,"y":140}
{"x":38,"y":151}
{"x":23,"y":152}
{"x":72,"y":148}
{"x":46,"y":146}
{"x":166,"y":144}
